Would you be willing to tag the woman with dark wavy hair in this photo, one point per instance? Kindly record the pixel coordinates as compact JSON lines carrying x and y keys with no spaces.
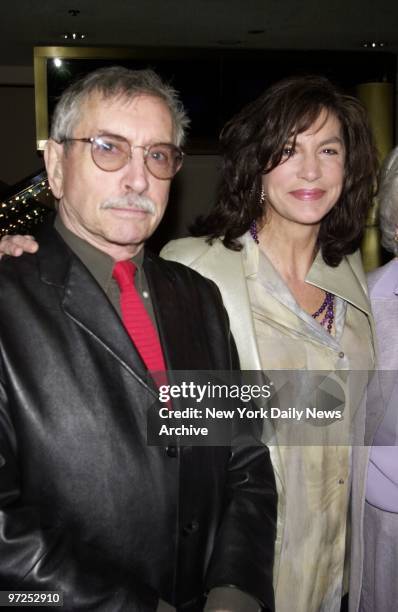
{"x":298,"y":177}
{"x":264,"y":135}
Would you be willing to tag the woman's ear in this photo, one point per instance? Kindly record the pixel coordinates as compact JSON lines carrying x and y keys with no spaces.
{"x":53,"y":157}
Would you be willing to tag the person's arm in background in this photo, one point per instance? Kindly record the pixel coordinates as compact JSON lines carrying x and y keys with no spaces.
{"x":16,"y":244}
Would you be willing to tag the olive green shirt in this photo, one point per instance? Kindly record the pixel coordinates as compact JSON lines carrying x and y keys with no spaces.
{"x":100,"y":265}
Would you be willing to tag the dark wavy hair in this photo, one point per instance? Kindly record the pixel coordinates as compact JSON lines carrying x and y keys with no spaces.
{"x":254,"y":140}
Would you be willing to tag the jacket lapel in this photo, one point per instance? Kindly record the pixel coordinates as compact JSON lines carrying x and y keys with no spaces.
{"x":346,"y":280}
{"x":226,"y":269}
{"x":84,"y":301}
{"x":169,"y":313}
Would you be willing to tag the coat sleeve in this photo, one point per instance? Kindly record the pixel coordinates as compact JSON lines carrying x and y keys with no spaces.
{"x":35,"y":556}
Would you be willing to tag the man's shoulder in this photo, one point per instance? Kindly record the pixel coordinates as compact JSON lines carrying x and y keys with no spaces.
{"x":14,"y":268}
{"x":190,"y":292}
{"x":34,"y":273}
{"x":178,"y":272}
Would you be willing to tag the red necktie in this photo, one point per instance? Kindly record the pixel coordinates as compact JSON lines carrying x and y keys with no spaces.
{"x":136,"y":320}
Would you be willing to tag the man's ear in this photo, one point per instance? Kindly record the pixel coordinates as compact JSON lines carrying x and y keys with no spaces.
{"x":53,"y":157}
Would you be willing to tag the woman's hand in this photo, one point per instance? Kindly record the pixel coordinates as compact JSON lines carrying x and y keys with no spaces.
{"x":16,"y":245}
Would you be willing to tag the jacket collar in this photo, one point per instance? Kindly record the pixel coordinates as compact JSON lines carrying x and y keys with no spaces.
{"x":83,"y":301}
{"x":346,"y":280}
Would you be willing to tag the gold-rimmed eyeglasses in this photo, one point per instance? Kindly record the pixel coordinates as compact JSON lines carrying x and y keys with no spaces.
{"x":110,"y":153}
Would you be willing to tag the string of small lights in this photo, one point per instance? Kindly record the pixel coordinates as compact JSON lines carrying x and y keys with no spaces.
{"x":26,"y":207}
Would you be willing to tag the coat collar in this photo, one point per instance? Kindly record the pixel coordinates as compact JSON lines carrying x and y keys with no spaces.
{"x":347,"y":280}
{"x":83,"y":301}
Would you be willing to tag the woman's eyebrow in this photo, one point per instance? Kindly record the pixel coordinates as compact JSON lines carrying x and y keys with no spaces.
{"x":332,"y":140}
{"x":328,"y":140}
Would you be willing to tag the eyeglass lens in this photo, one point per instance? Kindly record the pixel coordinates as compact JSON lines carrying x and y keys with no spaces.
{"x":110,"y":154}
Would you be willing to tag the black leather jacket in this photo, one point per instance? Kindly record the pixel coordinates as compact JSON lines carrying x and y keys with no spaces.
{"x":86,"y":506}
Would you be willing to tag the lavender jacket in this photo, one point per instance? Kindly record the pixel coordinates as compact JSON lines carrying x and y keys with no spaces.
{"x":383,"y":289}
{"x":382,"y":486}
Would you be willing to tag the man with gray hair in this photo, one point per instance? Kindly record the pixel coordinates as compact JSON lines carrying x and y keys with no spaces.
{"x":87,"y":509}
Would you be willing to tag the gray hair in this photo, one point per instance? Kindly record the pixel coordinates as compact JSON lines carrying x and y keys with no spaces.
{"x":388,"y":199}
{"x":114,"y":82}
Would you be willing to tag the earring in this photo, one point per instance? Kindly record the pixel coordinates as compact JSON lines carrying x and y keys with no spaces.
{"x":262,"y":196}
{"x":396,"y":234}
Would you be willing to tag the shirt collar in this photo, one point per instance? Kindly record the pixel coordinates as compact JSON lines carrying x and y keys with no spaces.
{"x":99,"y":264}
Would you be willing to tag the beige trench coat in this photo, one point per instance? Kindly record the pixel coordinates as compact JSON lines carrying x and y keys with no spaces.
{"x":227,"y":269}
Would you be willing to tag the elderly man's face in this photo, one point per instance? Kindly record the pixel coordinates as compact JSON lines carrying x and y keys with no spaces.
{"x":102,"y":207}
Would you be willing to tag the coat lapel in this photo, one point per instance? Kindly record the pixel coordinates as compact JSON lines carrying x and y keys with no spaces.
{"x":169,"y":312}
{"x":346,"y":280}
{"x":84,"y":301}
{"x":226,"y":268}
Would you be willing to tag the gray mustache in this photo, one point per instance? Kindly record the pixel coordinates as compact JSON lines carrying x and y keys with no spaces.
{"x":132,"y":200}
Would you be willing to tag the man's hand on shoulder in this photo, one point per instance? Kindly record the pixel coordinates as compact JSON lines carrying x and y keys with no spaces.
{"x":17,"y":245}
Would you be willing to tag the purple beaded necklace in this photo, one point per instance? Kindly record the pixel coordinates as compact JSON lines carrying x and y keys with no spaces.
{"x":327,"y":305}
{"x":253,"y":231}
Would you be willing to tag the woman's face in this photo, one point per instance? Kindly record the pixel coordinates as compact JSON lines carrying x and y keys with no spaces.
{"x":308,"y":181}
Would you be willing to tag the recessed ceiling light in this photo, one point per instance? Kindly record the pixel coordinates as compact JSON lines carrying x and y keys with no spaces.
{"x":57,"y":62}
{"x":74,"y":35}
{"x":374,"y":44}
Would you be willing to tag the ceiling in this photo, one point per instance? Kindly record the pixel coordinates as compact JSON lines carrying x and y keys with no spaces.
{"x":251,"y":24}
